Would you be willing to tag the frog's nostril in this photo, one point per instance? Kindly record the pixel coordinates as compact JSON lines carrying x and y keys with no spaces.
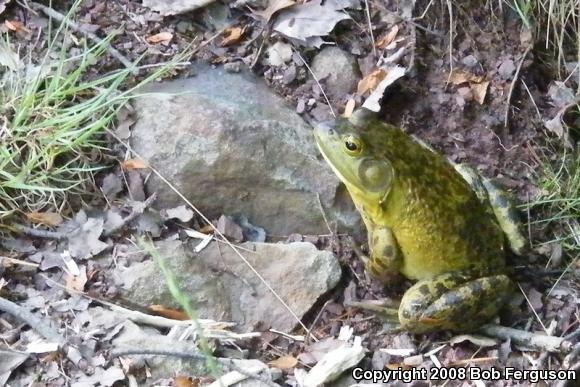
{"x":326,"y":128}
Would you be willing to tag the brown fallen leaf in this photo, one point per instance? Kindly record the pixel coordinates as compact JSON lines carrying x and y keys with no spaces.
{"x":479,"y":91}
{"x":370,"y":82}
{"x":15,"y":25}
{"x":284,"y":362}
{"x":46,"y":218}
{"x":232,"y":36}
{"x":388,"y":38}
{"x":168,"y":312}
{"x":273,"y":7}
{"x":162,"y":37}
{"x":130,"y":164}
{"x":457,"y":77}
{"x":77,"y":282}
{"x":185,"y":381}
{"x":349,"y":108}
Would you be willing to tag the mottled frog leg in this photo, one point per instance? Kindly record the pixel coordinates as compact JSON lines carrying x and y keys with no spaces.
{"x":383,"y":265}
{"x":503,"y":208}
{"x":456,"y":301}
{"x":508,"y":217}
{"x":386,"y":258}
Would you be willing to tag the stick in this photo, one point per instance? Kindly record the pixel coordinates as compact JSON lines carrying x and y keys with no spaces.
{"x":149,"y":347}
{"x":44,"y":328}
{"x":512,"y":86}
{"x":78,"y":28}
{"x":528,"y":339}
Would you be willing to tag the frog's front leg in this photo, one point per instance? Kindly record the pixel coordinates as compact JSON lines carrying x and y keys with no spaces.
{"x":386,"y":258}
{"x":455,"y":301}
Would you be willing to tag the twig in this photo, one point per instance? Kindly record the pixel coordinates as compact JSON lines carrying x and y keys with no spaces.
{"x":528,"y":339}
{"x":142,"y":347}
{"x":368,"y":12}
{"x":512,"y":86}
{"x":51,"y":13}
{"x":34,"y":232}
{"x":44,"y":328}
{"x":318,"y":83}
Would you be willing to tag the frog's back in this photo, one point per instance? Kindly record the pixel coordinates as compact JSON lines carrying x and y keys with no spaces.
{"x":438,"y":220}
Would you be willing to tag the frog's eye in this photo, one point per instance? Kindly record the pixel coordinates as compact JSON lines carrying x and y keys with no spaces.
{"x":352,"y":144}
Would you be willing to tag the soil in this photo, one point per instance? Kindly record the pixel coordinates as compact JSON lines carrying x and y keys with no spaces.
{"x":425,"y":103}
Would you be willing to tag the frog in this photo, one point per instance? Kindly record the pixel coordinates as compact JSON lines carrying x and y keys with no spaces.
{"x":432,"y":221}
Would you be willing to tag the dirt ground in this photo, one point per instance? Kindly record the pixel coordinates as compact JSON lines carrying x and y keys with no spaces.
{"x":502,"y":137}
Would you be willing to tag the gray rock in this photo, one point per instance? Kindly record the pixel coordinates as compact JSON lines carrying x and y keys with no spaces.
{"x":470,"y":61}
{"x":338,"y":69}
{"x":506,"y":69}
{"x":223,"y":288}
{"x":232,"y":146}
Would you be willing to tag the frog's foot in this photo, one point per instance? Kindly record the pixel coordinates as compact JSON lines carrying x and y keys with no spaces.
{"x":385,"y":308}
{"x":456,"y":301}
{"x":501,"y":203}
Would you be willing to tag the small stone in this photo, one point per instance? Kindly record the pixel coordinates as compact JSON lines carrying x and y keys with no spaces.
{"x":232,"y":67}
{"x":506,"y":69}
{"x":289,"y":75}
{"x":230,"y":229}
{"x":301,"y":106}
{"x":470,"y":61}
{"x":338,"y":69}
{"x":465,"y":93}
{"x":183,"y":26}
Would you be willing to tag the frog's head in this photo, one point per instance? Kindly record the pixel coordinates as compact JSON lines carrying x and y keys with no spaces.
{"x":351,"y":147}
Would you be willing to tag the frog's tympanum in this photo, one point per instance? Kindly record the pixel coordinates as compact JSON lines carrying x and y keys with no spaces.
{"x":427,"y":219}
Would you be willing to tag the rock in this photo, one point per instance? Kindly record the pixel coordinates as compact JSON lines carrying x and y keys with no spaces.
{"x":231,"y":146}
{"x":506,"y":69}
{"x":223,"y":288}
{"x":470,"y":61}
{"x":230,"y":229}
{"x":337,"y":70}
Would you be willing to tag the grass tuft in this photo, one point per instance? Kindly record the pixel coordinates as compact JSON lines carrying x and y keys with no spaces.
{"x":53,"y":114}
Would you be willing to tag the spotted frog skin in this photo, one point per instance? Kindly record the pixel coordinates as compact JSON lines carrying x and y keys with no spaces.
{"x":434,"y":222}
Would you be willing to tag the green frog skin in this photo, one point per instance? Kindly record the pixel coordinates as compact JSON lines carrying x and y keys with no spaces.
{"x":427,"y":219}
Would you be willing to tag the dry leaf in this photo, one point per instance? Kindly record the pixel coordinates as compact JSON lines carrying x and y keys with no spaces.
{"x":162,"y":37}
{"x":46,"y":218}
{"x":372,"y":102}
{"x":349,"y":108}
{"x":307,"y":22}
{"x":458,"y":77}
{"x":168,"y":312}
{"x":370,"y":82}
{"x":184,"y":381}
{"x":284,"y":362}
{"x":232,"y":35}
{"x":130,"y":164}
{"x":77,"y":282}
{"x":15,"y":25}
{"x":479,"y":91}
{"x":273,"y":7}
{"x":388,"y":38}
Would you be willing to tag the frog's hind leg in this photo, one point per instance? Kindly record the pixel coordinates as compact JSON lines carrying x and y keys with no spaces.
{"x":507,"y":215}
{"x":456,"y":301}
{"x":503,"y":208}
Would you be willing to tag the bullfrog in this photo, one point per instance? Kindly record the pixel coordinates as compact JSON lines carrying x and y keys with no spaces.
{"x":428,"y":219}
